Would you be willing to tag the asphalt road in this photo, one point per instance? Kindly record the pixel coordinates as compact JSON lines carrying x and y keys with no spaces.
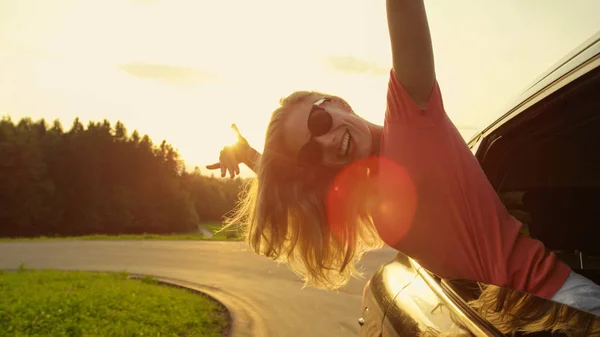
{"x":273,"y":301}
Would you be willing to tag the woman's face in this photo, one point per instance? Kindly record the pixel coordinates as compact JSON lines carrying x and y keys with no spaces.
{"x":326,"y":132}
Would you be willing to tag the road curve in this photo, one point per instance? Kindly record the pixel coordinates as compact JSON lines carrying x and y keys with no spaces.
{"x":269,"y":291}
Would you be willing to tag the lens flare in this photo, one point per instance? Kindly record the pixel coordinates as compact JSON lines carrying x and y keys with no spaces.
{"x":377,"y":187}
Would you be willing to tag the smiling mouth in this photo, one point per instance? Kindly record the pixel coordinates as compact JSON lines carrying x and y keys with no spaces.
{"x":345,"y":145}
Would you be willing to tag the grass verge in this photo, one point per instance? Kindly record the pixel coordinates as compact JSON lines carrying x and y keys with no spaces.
{"x":225,"y":235}
{"x":61,"y":303}
{"x":220,"y":236}
{"x":192,"y":236}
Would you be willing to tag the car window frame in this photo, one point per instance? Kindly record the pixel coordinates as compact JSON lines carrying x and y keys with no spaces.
{"x":473,"y":322}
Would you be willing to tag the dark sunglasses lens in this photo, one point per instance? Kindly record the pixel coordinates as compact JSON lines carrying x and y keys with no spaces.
{"x":311,"y":153}
{"x":319,"y":122}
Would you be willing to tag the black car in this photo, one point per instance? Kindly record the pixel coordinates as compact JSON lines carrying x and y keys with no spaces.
{"x":543,"y":159}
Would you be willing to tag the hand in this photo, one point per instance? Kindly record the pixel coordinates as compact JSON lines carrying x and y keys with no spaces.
{"x":231,"y":156}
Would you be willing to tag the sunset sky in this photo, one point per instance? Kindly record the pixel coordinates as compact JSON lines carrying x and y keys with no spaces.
{"x":184,"y":70}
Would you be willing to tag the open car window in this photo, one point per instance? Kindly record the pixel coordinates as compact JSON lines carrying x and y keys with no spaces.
{"x":545,"y":166}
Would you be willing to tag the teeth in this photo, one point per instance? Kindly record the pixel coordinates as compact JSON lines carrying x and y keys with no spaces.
{"x":345,"y":142}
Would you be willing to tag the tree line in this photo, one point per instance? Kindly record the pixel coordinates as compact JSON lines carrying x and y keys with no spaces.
{"x":100,"y":180}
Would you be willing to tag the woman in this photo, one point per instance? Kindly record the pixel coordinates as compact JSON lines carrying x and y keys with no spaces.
{"x":331,"y":185}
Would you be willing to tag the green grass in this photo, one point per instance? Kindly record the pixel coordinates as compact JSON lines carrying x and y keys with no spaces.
{"x":221,"y":236}
{"x":225,"y":235}
{"x":192,"y":236}
{"x":60,"y":303}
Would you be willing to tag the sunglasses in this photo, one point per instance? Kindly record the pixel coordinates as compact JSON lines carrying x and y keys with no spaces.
{"x":319,"y":122}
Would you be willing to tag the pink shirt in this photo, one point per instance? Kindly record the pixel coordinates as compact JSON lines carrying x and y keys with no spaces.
{"x":443,"y":212}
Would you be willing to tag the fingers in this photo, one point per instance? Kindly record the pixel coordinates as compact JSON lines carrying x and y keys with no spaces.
{"x":235,"y":129}
{"x":228,"y":164}
{"x":233,"y":171}
{"x":238,"y":134}
{"x":225,"y":159}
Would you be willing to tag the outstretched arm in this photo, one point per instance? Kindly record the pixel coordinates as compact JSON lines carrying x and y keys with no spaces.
{"x":412,"y":52}
{"x":253,"y":159}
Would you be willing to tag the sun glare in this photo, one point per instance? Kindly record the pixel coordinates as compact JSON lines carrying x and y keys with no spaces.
{"x":187,"y":80}
{"x":230,"y":138}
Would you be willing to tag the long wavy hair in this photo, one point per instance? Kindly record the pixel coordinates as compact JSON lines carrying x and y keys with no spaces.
{"x":514,"y":311}
{"x":283,"y":212}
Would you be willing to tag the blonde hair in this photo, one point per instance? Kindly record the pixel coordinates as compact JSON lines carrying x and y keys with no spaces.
{"x":283,"y":213}
{"x":512,"y":311}
{"x":519,"y":313}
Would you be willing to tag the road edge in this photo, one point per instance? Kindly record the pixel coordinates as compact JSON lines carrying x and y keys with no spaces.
{"x":245,"y":322}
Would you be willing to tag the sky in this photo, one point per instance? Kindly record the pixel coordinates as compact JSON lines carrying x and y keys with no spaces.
{"x":185,"y":70}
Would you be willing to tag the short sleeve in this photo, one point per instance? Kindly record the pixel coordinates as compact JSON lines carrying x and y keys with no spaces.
{"x":401,"y":108}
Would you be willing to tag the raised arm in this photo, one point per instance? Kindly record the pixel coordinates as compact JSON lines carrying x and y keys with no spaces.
{"x":412,"y":52}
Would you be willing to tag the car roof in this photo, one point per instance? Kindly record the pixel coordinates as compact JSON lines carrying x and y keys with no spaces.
{"x":575,"y":64}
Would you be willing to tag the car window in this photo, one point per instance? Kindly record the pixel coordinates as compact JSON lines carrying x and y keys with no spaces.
{"x":546,"y":170}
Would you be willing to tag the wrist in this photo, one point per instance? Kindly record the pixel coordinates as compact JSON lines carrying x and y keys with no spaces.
{"x":250,"y":156}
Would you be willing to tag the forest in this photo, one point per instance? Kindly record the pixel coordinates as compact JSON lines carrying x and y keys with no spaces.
{"x":101,"y":180}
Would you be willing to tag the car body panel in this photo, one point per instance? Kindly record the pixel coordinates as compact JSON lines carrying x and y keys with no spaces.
{"x":380,"y":293}
{"x":419,"y":305}
{"x":418,"y":310}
